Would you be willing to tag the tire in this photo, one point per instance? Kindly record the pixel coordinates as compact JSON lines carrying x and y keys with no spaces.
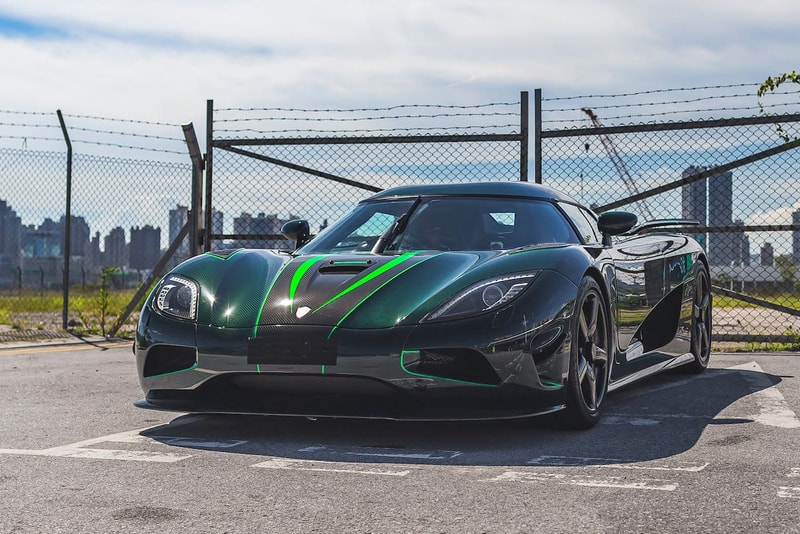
{"x":701,"y":321}
{"x":590,"y":357}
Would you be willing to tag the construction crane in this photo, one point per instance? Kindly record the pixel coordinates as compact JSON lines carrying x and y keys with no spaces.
{"x":619,"y":165}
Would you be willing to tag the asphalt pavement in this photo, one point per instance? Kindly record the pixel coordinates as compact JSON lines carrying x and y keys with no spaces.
{"x":716,"y":452}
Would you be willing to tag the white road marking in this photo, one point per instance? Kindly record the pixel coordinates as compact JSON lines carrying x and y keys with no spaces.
{"x":788,"y":493}
{"x":82,"y":449}
{"x":794,"y":472}
{"x":384,"y":452}
{"x":620,"y":419}
{"x":199,"y":443}
{"x":329,"y":467}
{"x":773,"y":408}
{"x":577,"y":461}
{"x":584,"y":480}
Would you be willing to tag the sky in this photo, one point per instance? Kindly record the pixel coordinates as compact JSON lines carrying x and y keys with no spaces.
{"x":160,"y":60}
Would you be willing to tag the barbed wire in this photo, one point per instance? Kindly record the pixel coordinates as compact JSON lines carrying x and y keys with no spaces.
{"x":666,"y":113}
{"x":362,"y":110}
{"x":652,"y":91}
{"x":358,"y":119}
{"x":130,"y":147}
{"x":362,"y":131}
{"x":131,"y":134}
{"x":129,"y":121}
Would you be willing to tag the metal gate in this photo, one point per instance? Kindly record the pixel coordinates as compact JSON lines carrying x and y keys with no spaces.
{"x":735,"y":174}
{"x":265,"y":166}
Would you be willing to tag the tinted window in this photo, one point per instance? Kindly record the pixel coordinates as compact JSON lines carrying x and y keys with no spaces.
{"x":584,"y":222}
{"x":448,"y":223}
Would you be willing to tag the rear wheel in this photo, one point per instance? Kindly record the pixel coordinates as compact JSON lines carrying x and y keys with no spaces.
{"x":701,"y":321}
{"x":589,"y":357}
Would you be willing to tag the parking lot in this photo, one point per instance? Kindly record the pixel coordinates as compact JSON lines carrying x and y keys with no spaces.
{"x":716,"y":452}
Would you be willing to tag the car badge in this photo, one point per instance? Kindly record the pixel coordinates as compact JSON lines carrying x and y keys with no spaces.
{"x":302,"y":311}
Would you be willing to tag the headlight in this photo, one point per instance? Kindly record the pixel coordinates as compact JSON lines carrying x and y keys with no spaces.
{"x":483,"y":296}
{"x":177,"y":296}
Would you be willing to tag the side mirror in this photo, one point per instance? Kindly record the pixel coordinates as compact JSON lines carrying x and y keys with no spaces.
{"x":297,"y":230}
{"x":614,"y":223}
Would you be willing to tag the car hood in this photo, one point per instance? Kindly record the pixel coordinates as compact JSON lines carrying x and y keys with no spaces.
{"x":250,"y":288}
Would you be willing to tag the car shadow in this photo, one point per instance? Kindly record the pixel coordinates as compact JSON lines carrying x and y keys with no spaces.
{"x":655,"y":419}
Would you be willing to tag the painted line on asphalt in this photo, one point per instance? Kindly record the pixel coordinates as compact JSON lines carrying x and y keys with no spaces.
{"x":83,"y":449}
{"x":578,"y":461}
{"x":773,"y":410}
{"x":785,"y":492}
{"x":329,"y":467}
{"x":583,"y":480}
{"x":383,"y":452}
{"x":71,"y":347}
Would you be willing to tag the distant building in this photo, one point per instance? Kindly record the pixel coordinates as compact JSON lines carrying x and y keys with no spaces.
{"x":115,"y":251}
{"x":710,"y":201}
{"x":767,"y":255}
{"x":10,"y":242}
{"x":43,"y":241}
{"x":145,"y":247}
{"x":79,"y":235}
{"x":265,"y":229}
{"x":178,"y":218}
{"x":693,"y":201}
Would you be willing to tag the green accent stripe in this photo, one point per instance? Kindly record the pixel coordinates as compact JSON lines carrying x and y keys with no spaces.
{"x":377,"y":272}
{"x":264,"y":302}
{"x":346,"y":315}
{"x":298,"y":275}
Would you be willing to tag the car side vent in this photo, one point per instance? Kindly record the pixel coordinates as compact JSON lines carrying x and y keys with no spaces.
{"x":451,"y":364}
{"x":165,"y":359}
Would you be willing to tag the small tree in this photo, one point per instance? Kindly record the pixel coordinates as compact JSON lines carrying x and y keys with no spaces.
{"x":104,"y":296}
{"x":787,"y":268}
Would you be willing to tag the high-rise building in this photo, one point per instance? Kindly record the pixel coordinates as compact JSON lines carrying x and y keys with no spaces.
{"x":178,"y":218}
{"x":114,"y":254}
{"x":767,"y":254}
{"x":10,"y":241}
{"x":715,"y":192}
{"x":693,"y":201}
{"x":145,"y":247}
{"x":79,"y":235}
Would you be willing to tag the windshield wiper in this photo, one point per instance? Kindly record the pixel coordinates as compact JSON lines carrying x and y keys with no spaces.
{"x":395,"y":229}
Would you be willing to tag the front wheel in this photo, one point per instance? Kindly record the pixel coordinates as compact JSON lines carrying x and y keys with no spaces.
{"x":589,"y":366}
{"x":701,"y":321}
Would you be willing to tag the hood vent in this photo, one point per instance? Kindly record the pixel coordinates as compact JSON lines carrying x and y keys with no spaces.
{"x":345,"y":267}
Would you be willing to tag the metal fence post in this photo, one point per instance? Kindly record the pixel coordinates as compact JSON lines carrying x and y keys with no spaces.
{"x":523,"y":131}
{"x":67,"y":224}
{"x":537,"y":135}
{"x":209,"y":169}
{"x":195,"y":223}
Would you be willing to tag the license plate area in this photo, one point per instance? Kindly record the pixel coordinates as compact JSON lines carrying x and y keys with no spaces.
{"x":292,"y":346}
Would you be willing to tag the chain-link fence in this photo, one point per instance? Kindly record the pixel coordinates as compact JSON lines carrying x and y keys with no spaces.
{"x":708,"y":154}
{"x":123,"y":212}
{"x":270,"y":165}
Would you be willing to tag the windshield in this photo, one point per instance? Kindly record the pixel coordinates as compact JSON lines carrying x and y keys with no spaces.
{"x":446,"y":223}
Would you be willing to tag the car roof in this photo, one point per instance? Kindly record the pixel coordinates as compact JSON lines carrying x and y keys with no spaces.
{"x":487,"y":189}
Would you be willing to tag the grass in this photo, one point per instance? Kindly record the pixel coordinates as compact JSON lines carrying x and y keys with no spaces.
{"x":90,"y":313}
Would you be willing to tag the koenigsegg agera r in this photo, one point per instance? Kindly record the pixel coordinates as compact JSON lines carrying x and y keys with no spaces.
{"x":460,"y":301}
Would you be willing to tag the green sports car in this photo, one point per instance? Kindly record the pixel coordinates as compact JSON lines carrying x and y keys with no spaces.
{"x":459,"y":301}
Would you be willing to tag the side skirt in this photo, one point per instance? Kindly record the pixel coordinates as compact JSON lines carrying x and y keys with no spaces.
{"x":675,"y":362}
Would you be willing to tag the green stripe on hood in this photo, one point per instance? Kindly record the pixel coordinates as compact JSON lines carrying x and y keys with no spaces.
{"x":377,"y":272}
